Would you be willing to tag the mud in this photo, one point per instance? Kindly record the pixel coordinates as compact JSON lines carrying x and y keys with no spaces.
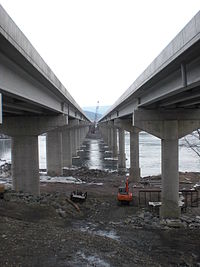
{"x":49,"y":231}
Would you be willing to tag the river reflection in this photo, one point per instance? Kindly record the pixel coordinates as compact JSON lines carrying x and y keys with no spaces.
{"x":95,"y":157}
{"x":94,"y":154}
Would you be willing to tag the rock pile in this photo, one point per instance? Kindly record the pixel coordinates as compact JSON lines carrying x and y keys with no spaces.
{"x":147,"y":220}
{"x":85,"y":172}
{"x":59,"y":201}
{"x":191,"y":221}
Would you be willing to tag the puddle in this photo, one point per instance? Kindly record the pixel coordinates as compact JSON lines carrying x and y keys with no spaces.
{"x":91,"y":260}
{"x":92,"y":229}
{"x":110,"y":234}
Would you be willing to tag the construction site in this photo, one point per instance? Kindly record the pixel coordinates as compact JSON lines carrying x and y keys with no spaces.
{"x":95,"y":228}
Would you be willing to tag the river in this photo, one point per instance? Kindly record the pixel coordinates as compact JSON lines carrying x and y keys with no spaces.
{"x":94,"y":151}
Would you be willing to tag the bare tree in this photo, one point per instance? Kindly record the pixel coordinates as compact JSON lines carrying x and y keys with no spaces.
{"x":193,"y":141}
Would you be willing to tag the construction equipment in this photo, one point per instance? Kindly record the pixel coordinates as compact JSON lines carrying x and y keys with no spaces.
{"x":78,"y":196}
{"x":124,"y":196}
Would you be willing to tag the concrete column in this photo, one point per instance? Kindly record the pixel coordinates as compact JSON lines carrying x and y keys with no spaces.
{"x":66,"y":148}
{"x":105,"y":135}
{"x":114,"y":142}
{"x":170,"y":175}
{"x":84,"y":131}
{"x":25,"y":164}
{"x":81,"y":135}
{"x":74,"y":142}
{"x":134,"y":156}
{"x":78,"y":138}
{"x":109,"y":137}
{"x":121,"y":155}
{"x":54,"y":153}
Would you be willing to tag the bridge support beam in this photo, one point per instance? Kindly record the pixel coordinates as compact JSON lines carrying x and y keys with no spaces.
{"x":121,"y":155}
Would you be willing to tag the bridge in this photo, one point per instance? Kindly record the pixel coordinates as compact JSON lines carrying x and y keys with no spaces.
{"x":165,"y":102}
{"x":34,"y":102}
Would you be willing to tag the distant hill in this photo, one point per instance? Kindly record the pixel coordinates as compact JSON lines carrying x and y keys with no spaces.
{"x":101,"y":110}
{"x":91,"y":115}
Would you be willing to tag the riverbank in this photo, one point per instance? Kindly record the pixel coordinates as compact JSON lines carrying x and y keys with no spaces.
{"x":49,"y":230}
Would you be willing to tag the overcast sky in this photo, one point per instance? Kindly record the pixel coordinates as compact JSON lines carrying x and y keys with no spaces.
{"x":97,"y":48}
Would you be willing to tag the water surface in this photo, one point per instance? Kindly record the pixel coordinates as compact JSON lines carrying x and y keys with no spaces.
{"x":95,"y":154}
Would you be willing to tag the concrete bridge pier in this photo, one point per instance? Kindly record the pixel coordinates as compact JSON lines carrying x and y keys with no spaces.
{"x":83,"y":132}
{"x":134,"y":172}
{"x":86,"y":130}
{"x":54,"y":152}
{"x":170,"y":174}
{"x":82,"y":135}
{"x":112,"y":138}
{"x":74,"y":142}
{"x":169,"y":126}
{"x":109,"y":138}
{"x":25,"y":159}
{"x":107,"y":135}
{"x":167,"y":130}
{"x":25,"y":163}
{"x":134,"y":155}
{"x":67,"y":147}
{"x":121,"y":154}
{"x":104,"y":133}
{"x":114,"y":143}
{"x":78,"y":141}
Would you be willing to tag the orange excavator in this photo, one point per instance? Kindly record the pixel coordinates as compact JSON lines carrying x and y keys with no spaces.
{"x":124,"y":196}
